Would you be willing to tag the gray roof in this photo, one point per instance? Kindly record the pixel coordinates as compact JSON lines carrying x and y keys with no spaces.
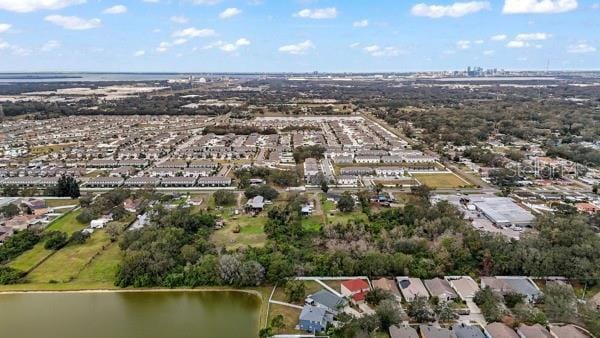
{"x":503,"y":210}
{"x":438,"y":286}
{"x":467,"y":331}
{"x":500,"y":330}
{"x":428,"y":331}
{"x":328,"y":299}
{"x":312,"y":313}
{"x":403,"y":331}
{"x":521,"y":286}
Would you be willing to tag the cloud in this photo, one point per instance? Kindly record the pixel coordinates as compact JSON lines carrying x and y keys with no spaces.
{"x":299,"y":48}
{"x":463,"y":44}
{"x":533,"y":36}
{"x":581,"y":48}
{"x":139,"y":53}
{"x":318,"y":13}
{"x":180,"y":41}
{"x":361,"y":23}
{"x":354,"y":45}
{"x":117,"y":9}
{"x":488,"y":52}
{"x":163,"y":47}
{"x":192,"y":32}
{"x":522,"y":40}
{"x":454,"y":10}
{"x":230,"y":13}
{"x":179,"y":19}
{"x":4,"y":27}
{"x":538,"y":6}
{"x":4,"y":44}
{"x":16,"y":50}
{"x":206,"y":2}
{"x":50,"y":46}
{"x":73,"y":22}
{"x":499,"y":37}
{"x":26,"y":6}
{"x":376,"y":50}
{"x":228,"y":46}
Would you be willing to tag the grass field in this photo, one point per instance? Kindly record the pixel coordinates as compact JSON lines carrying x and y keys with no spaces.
{"x":442,"y":181}
{"x":310,"y":288}
{"x":67,"y":223}
{"x":59,"y":202}
{"x":251,"y":232}
{"x":66,"y":263}
{"x":290,"y":318}
{"x":103,"y":267}
{"x":312,"y":224}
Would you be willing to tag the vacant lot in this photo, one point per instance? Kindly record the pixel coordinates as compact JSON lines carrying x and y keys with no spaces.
{"x":60,"y":202}
{"x":290,"y":318}
{"x":443,"y":181}
{"x":66,"y":263}
{"x":251,"y":232}
{"x":103,"y":267}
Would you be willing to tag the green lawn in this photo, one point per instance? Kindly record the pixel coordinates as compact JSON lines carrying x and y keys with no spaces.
{"x":103,"y":267}
{"x":65,"y":264}
{"x":67,"y":223}
{"x":345,"y":217}
{"x":52,"y":203}
{"x":309,"y":286}
{"x":443,"y":181}
{"x":251,"y":232}
{"x":312,"y":224}
{"x":290,"y":318}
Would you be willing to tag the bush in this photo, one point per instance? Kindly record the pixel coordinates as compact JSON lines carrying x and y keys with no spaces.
{"x":9,"y":275}
{"x":17,"y":244}
{"x":79,"y":237}
{"x":55,"y":240}
{"x":224,"y":197}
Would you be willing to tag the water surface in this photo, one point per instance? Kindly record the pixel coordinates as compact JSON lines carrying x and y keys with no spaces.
{"x":129,"y":315}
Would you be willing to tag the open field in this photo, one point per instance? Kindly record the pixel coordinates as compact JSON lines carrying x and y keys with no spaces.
{"x":66,"y":263}
{"x":67,"y":223}
{"x":103,"y":267}
{"x":310,"y":288}
{"x":443,"y":181}
{"x":290,"y":318}
{"x":251,"y":232}
{"x":59,"y":202}
{"x":312,"y":224}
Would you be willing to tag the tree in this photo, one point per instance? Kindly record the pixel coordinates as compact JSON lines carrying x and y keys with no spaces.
{"x":55,"y":240}
{"x":346,"y":202}
{"x":511,"y":299}
{"x":79,"y":237}
{"x":113,"y":230}
{"x":388,"y":314}
{"x":419,"y":310}
{"x":560,"y":302}
{"x":10,"y":210}
{"x":224,"y":197}
{"x":490,"y":304}
{"x":295,"y":290}
{"x":444,"y":312}
{"x":377,"y":295}
{"x":278,"y":322}
{"x":324,"y":186}
{"x":261,"y":190}
{"x":67,"y":186}
{"x":9,"y":275}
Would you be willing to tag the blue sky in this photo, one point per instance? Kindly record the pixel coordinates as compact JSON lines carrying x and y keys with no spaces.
{"x":297,"y":35}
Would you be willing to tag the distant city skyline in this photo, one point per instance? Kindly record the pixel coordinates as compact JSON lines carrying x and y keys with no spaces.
{"x":297,"y":35}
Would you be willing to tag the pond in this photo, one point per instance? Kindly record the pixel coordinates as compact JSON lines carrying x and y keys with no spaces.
{"x":177,"y":314}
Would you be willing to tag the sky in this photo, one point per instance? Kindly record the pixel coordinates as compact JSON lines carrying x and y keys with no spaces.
{"x":298,"y":35}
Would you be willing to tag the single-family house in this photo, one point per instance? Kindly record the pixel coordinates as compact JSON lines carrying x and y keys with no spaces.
{"x":465,"y":286}
{"x":388,"y":285}
{"x":533,"y":331}
{"x":314,"y":319}
{"x":463,"y":330}
{"x":255,"y":204}
{"x":327,"y":300}
{"x":441,"y":289}
{"x":403,"y":331}
{"x":99,"y":223}
{"x":355,"y":289}
{"x":500,"y":330}
{"x":567,"y":331}
{"x":411,"y":288}
{"x":429,"y":331}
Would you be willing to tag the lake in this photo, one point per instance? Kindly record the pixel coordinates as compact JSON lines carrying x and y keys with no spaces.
{"x":172,"y":314}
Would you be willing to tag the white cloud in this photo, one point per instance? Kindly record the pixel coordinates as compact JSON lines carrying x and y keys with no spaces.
{"x":117,"y":9}
{"x":376,"y":50}
{"x":163,"y":47}
{"x":517,"y":44}
{"x":50,"y":46}
{"x":4,"y":27}
{"x":180,"y":41}
{"x":463,"y":44}
{"x":299,"y":48}
{"x":192,"y":32}
{"x":354,"y":45}
{"x":230,"y":13}
{"x":488,"y":52}
{"x":139,"y":53}
{"x":538,"y":6}
{"x":151,"y":1}
{"x":581,"y":48}
{"x":479,"y":42}
{"x":318,"y":13}
{"x":73,"y":22}
{"x":499,"y":37}
{"x":522,"y":40}
{"x":228,"y":46}
{"x":206,"y":2}
{"x":4,"y":44}
{"x":532,"y":36}
{"x":454,"y":10}
{"x":25,"y":6}
{"x":179,"y":19}
{"x":361,"y":23}
{"x":596,"y":5}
